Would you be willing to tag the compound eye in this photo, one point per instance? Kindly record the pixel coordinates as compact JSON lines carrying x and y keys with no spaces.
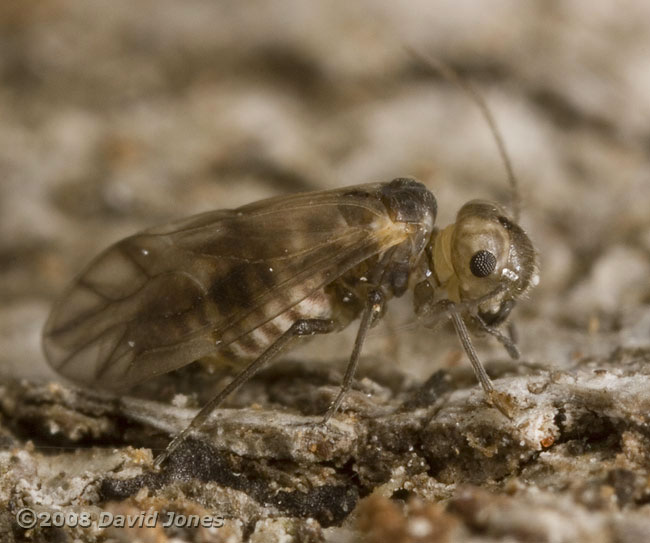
{"x":482,"y":263}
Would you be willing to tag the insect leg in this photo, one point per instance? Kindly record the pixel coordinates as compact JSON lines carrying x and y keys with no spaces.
{"x":506,"y":341}
{"x":373,"y":310}
{"x":513,"y":334}
{"x":431,"y":313}
{"x":494,"y":397}
{"x":303,"y":327}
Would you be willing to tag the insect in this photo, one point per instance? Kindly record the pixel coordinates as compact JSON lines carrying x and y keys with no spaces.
{"x":238,"y":286}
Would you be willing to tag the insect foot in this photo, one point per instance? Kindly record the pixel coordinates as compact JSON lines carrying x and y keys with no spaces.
{"x":503,"y":402}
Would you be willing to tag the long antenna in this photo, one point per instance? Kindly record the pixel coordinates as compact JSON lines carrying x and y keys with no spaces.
{"x":453,"y":76}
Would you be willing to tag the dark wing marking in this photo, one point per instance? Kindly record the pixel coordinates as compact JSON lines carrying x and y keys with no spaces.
{"x":170,"y":295}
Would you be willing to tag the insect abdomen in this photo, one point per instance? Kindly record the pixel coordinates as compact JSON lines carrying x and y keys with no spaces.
{"x":252,"y":344}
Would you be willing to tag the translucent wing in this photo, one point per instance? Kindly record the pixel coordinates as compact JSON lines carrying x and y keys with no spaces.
{"x":165,"y":297}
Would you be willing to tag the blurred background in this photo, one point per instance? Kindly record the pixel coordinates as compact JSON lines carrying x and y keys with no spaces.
{"x":115,"y":116}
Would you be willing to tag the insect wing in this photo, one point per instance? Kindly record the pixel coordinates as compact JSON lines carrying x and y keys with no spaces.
{"x":163,"y":298}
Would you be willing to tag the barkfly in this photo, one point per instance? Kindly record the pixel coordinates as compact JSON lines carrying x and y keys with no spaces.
{"x":238,"y":286}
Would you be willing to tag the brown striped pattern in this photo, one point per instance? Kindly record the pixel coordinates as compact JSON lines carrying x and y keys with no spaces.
{"x":252,"y":344}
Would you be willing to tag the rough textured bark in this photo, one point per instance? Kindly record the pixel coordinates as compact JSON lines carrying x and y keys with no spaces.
{"x":116,"y":119}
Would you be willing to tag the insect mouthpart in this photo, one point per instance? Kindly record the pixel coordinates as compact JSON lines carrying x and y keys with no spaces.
{"x":509,"y":274}
{"x":494,"y":318}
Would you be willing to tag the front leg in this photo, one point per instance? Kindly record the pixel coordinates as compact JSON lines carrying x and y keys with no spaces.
{"x":431,"y":313}
{"x":497,"y":399}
